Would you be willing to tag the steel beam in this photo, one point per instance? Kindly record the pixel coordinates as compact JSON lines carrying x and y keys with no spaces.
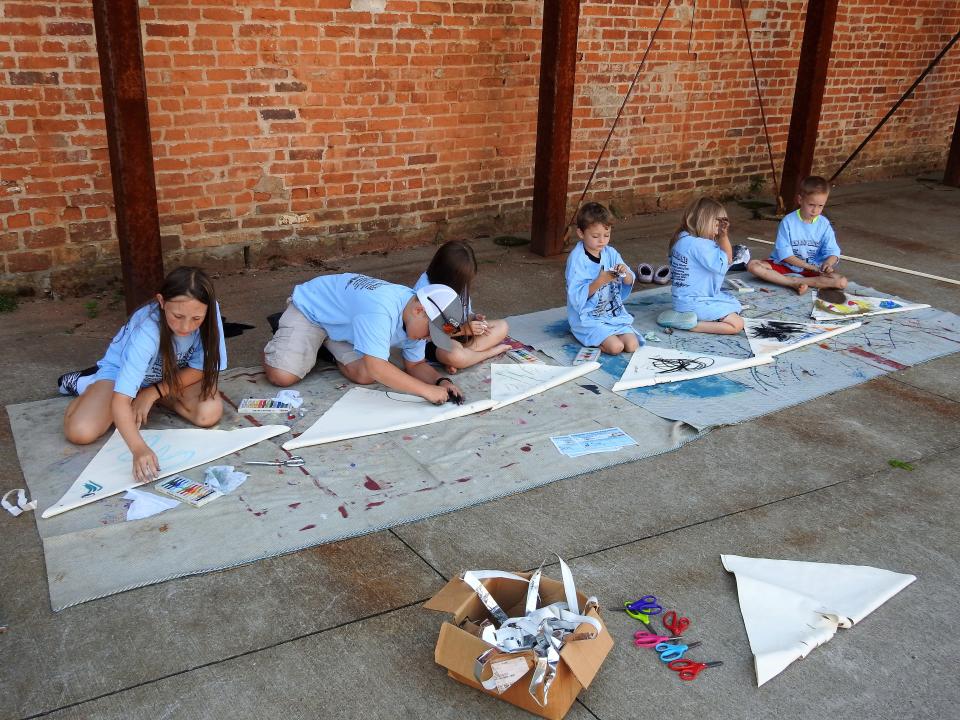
{"x":952,"y":174}
{"x":558,"y":65}
{"x":120,"y":50}
{"x":807,"y":97}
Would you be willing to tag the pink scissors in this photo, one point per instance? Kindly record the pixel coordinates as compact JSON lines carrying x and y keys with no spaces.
{"x":642,"y":638}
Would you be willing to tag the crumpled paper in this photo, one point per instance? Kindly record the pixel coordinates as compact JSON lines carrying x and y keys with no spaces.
{"x":146,"y":504}
{"x":224,"y":478}
{"x":290,"y":397}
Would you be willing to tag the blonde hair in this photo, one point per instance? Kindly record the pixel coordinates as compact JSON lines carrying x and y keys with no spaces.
{"x":698,"y":219}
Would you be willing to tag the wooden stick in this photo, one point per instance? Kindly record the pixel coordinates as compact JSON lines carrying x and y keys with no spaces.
{"x":876,"y":264}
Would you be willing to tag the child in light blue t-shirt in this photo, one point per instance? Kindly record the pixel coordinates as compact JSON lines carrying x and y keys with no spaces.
{"x":598,"y":282}
{"x":170,"y":351}
{"x":806,"y":252}
{"x":357,"y":319}
{"x":455,"y":265}
{"x":700,"y":255}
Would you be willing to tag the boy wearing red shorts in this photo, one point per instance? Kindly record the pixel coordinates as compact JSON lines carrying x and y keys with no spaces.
{"x":806,"y":252}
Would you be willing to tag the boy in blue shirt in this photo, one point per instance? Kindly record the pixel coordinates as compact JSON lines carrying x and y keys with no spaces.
{"x":598,"y":281}
{"x":806,"y":252}
{"x":358,"y":319}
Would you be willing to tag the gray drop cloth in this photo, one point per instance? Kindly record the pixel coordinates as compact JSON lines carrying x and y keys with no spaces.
{"x":345,"y":489}
{"x":882,"y":344}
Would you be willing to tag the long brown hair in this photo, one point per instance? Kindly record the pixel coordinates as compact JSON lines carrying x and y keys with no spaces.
{"x":454,"y":265}
{"x":193,"y":283}
{"x":698,"y":218}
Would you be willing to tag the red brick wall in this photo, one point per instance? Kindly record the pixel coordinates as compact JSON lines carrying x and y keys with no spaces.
{"x":378,"y":123}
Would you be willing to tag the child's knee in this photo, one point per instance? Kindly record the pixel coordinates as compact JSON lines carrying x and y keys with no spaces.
{"x":630,"y":343}
{"x":499,"y":329}
{"x":754,"y":265}
{"x":454,"y":358}
{"x":735,"y":321}
{"x":80,"y":434}
{"x":278,"y":377}
{"x":209,"y":413}
{"x":842,"y":282}
{"x":612,"y":345}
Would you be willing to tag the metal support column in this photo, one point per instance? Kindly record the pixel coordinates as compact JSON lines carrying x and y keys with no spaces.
{"x":952,"y":174}
{"x":120,"y":50}
{"x":807,"y":97}
{"x":558,"y":65}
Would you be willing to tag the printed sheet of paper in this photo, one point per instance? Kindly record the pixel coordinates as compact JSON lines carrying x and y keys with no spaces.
{"x":595,"y":441}
{"x":858,"y":306}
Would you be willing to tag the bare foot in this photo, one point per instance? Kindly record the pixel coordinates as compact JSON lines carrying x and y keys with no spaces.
{"x":501,"y":349}
{"x":802,"y":289}
{"x":451,"y":369}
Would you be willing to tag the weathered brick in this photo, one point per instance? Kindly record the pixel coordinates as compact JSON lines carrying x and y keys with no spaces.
{"x":96,"y":231}
{"x":278,"y":114}
{"x":47,"y":237}
{"x":20,"y":262}
{"x":33,"y":77}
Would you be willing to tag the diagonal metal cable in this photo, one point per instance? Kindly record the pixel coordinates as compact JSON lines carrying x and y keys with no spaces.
{"x":763,"y":114}
{"x":616,"y":120}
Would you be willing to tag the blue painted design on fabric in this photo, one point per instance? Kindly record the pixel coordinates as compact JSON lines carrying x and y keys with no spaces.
{"x":712,"y":386}
{"x":558,"y":328}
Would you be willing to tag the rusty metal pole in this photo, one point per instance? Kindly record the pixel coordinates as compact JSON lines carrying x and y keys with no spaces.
{"x":952,"y":174}
{"x":807,"y":97}
{"x":558,"y":65}
{"x":120,"y":50}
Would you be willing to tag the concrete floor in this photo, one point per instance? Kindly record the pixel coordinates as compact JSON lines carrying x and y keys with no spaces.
{"x":338,"y":631}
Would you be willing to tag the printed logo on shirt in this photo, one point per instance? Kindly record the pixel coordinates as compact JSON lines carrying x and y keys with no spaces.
{"x":608,"y":301}
{"x":155,"y":373}
{"x":681,"y":269}
{"x":362,"y":282}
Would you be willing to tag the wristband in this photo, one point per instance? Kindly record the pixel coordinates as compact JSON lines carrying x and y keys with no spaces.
{"x":441,"y":379}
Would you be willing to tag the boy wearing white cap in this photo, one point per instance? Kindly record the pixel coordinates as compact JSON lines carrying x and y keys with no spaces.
{"x":358,"y":319}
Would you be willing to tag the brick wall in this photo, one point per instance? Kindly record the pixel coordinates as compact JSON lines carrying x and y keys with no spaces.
{"x":307,"y":129}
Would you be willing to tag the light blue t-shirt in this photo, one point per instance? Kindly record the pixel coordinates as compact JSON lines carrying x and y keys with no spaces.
{"x":133,"y":359}
{"x":465,"y":300}
{"x":698,"y":266}
{"x":360,"y":310}
{"x":811,"y":242}
{"x":594,"y":318}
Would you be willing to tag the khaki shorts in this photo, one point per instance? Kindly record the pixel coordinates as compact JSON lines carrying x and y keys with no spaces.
{"x":295,"y":345}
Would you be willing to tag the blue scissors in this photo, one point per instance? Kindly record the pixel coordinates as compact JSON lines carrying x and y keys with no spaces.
{"x":643,"y":608}
{"x":669,"y":652}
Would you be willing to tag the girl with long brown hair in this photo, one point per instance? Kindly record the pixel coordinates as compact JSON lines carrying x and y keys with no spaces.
{"x":170,"y":351}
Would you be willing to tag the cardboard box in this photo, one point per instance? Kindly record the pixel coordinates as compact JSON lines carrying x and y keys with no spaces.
{"x":459,"y":644}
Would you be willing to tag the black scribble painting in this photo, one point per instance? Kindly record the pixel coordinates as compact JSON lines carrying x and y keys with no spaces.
{"x":676,"y":365}
{"x":777,"y":330}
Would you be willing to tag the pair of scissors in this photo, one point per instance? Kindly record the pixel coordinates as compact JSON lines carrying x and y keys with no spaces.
{"x":669,"y":653}
{"x":642,"y":638}
{"x":689,"y":669}
{"x":673,"y":624}
{"x":295,"y":461}
{"x":643,"y":608}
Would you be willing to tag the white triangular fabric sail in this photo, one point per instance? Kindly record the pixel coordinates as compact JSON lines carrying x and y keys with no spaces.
{"x":362,"y":411}
{"x":772,"y":337}
{"x":510,"y":383}
{"x":653,"y":365}
{"x":111,"y":470}
{"x":858,"y":306}
{"x":790,"y":607}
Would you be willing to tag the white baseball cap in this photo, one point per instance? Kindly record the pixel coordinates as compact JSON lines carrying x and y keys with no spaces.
{"x":445,"y":312}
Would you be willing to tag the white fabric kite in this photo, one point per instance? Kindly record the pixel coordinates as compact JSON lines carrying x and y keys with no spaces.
{"x":772,"y":337}
{"x":790,"y":607}
{"x":111,"y":470}
{"x":362,"y":411}
{"x":651,"y":365}
{"x":858,"y":306}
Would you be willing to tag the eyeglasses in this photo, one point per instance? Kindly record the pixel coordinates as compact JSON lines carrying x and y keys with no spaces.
{"x":449,"y":324}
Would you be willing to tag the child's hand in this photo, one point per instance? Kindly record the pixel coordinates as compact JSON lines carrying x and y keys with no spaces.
{"x":828,"y":267}
{"x":437,"y":395}
{"x":478,"y":327}
{"x":623,"y":272}
{"x":146,"y":466}
{"x":142,"y":404}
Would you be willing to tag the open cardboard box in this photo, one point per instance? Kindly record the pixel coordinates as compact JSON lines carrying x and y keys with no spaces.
{"x":459,"y":644}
